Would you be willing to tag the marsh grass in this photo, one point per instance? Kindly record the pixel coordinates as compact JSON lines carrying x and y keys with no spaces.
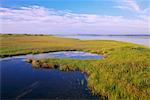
{"x":123,"y":73}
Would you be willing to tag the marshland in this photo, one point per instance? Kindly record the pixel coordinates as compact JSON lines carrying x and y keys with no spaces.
{"x":121,"y":72}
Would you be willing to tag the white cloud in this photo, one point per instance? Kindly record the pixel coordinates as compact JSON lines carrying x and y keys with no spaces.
{"x":129,"y":5}
{"x":133,"y":6}
{"x":36,"y":19}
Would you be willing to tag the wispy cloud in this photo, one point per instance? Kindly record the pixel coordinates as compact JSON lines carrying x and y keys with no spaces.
{"x":128,"y":5}
{"x":133,"y":6}
{"x":37,"y":19}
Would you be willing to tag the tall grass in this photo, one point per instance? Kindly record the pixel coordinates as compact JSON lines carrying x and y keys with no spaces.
{"x":123,"y":73}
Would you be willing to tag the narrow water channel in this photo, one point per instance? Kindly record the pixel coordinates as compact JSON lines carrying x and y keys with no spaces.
{"x":20,"y":81}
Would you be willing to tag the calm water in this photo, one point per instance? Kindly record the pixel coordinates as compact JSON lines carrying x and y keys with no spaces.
{"x":144,"y":40}
{"x":20,"y":81}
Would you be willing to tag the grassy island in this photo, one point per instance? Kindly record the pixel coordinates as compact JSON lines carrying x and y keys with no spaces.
{"x":123,"y":73}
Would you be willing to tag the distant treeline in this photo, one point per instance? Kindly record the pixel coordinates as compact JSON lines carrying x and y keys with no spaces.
{"x":75,"y":34}
{"x":25,"y":34}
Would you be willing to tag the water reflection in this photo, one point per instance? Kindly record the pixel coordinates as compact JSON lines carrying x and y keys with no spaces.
{"x":61,"y":54}
{"x":20,"y":81}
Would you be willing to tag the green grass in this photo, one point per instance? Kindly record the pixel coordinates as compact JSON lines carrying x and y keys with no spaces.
{"x":123,"y":73}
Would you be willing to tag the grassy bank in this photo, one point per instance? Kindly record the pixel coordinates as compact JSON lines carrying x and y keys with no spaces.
{"x":124,"y":73}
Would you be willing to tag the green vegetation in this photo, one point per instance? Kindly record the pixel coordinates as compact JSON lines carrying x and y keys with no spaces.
{"x":123,"y":73}
{"x":24,"y":44}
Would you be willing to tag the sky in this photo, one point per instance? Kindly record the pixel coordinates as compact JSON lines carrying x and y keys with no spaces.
{"x":75,"y":16}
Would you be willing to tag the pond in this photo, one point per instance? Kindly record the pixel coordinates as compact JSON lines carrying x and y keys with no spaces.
{"x":20,"y":81}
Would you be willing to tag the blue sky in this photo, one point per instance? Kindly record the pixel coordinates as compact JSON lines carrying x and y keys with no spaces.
{"x":80,"y":12}
{"x":78,"y":6}
{"x":101,"y":7}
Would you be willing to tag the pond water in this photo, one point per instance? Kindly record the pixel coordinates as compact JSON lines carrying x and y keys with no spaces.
{"x":144,"y":40}
{"x":20,"y":81}
{"x":60,"y":54}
